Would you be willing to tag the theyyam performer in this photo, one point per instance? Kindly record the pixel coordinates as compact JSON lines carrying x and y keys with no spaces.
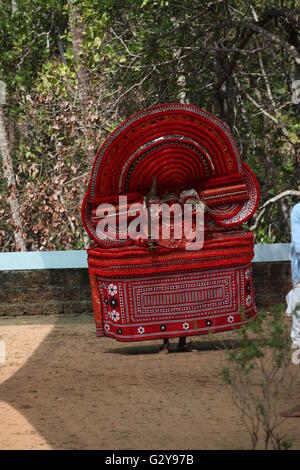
{"x":191,"y":273}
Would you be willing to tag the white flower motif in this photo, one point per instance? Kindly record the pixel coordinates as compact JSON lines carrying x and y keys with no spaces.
{"x":106,"y":326}
{"x":247,"y":274}
{"x":185,"y":326}
{"x":109,"y":314}
{"x":248,"y":300}
{"x":141,"y":330}
{"x":230,"y":319}
{"x":115,"y":315}
{"x":112,"y":289}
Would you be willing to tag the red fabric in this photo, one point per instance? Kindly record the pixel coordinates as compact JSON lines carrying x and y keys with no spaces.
{"x":141,"y":296}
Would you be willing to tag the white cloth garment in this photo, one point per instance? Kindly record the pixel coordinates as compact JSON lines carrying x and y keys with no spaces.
{"x":289,"y":308}
{"x":295,"y":248}
{"x":293,"y":309}
{"x":293,"y":297}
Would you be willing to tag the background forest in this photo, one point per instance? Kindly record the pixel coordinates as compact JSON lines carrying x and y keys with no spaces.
{"x":74,"y":69}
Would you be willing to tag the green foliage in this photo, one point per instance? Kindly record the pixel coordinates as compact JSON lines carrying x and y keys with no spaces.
{"x":255,"y":371}
{"x":137,"y":54}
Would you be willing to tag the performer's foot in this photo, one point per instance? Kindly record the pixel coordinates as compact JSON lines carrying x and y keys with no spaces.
{"x":164,"y":348}
{"x":183,"y":346}
{"x":188,"y":347}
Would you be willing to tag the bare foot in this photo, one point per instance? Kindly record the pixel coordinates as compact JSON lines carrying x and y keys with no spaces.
{"x":164,"y":349}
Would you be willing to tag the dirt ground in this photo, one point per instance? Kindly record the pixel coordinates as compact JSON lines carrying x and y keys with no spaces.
{"x":62,"y":388}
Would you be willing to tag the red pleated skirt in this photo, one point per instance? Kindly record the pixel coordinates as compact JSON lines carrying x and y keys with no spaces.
{"x":144,"y":295}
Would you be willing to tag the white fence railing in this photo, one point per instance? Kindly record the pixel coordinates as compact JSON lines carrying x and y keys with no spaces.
{"x":78,"y":258}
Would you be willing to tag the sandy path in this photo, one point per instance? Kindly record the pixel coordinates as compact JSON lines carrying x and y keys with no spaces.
{"x":63,"y":388}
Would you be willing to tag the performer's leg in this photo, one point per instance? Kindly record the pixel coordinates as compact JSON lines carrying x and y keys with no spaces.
{"x":183,"y":345}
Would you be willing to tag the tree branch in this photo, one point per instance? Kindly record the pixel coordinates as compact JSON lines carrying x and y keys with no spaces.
{"x":288,"y":193}
{"x":268,"y":15}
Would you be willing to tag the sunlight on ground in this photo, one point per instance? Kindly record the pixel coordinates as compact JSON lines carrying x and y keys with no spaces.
{"x":62,"y":388}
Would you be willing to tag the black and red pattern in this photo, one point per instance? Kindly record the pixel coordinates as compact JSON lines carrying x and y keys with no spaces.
{"x":141,"y":294}
{"x":182,"y":303}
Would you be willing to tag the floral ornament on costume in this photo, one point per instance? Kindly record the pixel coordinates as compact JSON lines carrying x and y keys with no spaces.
{"x":115,"y":315}
{"x":248,"y":300}
{"x":230,"y":319}
{"x":106,"y":326}
{"x":185,"y":326}
{"x":248,"y":274}
{"x":112,"y":289}
{"x":208,"y":323}
{"x":141,"y":330}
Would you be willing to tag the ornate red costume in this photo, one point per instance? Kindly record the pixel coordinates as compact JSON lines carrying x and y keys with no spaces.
{"x":153,"y":290}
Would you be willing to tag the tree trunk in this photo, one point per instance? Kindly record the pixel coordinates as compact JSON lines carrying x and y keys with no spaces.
{"x":77,"y":41}
{"x":14,"y":6}
{"x":9,"y":176}
{"x":181,"y":78}
{"x":83,"y":75}
{"x":83,"y":86}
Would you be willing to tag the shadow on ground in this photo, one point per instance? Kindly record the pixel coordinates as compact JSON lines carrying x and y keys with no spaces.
{"x":80,"y":392}
{"x":153,"y":348}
